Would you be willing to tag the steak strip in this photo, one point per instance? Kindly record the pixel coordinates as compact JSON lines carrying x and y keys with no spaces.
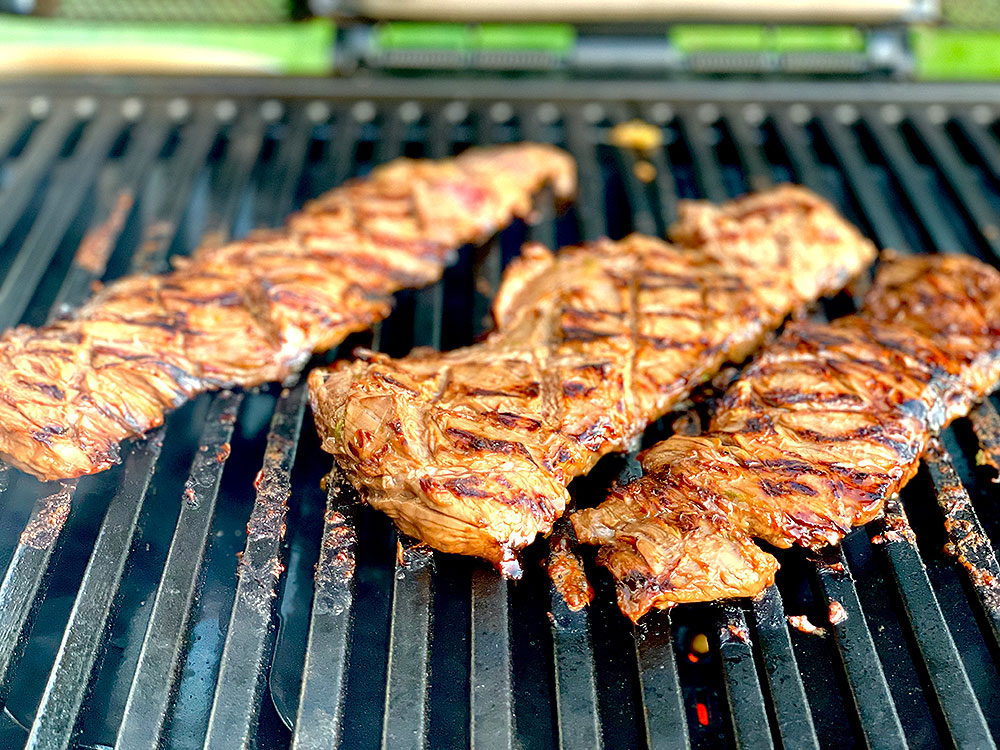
{"x":252,"y":311}
{"x":829,"y":422}
{"x":471,"y":450}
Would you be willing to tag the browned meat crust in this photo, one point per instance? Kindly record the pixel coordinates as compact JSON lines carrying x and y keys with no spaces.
{"x":819,"y":431}
{"x":252,"y":311}
{"x":568,"y":576}
{"x":471,"y":450}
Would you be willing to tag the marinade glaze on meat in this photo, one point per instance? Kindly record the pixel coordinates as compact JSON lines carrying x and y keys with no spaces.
{"x":471,"y":450}
{"x":829,"y":422}
{"x":252,"y":311}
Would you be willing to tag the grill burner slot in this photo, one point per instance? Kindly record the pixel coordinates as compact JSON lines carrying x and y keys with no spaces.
{"x":201,"y":655}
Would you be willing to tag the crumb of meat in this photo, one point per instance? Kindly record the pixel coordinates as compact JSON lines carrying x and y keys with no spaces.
{"x":802,"y":624}
{"x":887,"y":536}
{"x":568,"y":577}
{"x":740,"y":632}
{"x":837,"y":613}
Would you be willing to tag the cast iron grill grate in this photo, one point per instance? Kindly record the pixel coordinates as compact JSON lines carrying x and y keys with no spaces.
{"x":148,"y":615}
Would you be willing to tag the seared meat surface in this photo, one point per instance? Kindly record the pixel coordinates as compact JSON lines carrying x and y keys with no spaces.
{"x":818,"y":432}
{"x":471,"y":450}
{"x":252,"y":311}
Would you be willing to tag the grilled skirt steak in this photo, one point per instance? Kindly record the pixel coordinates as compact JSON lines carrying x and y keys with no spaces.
{"x":471,"y":450}
{"x":252,"y":311}
{"x":819,"y":431}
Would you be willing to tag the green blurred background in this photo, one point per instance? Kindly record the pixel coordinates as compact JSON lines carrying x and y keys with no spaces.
{"x":902,"y":39}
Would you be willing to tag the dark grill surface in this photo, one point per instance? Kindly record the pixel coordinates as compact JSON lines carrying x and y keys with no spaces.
{"x":170,"y":610}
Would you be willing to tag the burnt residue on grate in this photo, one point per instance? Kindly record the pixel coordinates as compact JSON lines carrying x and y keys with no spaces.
{"x":47,"y":521}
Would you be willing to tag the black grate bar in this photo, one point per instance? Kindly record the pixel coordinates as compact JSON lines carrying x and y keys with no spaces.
{"x":71,"y":182}
{"x":343,"y":139}
{"x":747,"y":712}
{"x":492,"y":707}
{"x":748,"y":146}
{"x":781,"y":669}
{"x":860,"y":177}
{"x":429,"y":313}
{"x":577,"y":709}
{"x":404,"y":723}
{"x":150,"y":693}
{"x":869,"y":689}
{"x":662,"y":700}
{"x":948,"y":678}
{"x":576,"y":690}
{"x":580,"y":139}
{"x":321,"y":695}
{"x":967,"y":540}
{"x":666,"y":187}
{"x":866,"y":679}
{"x":983,"y":142}
{"x":250,"y":636}
{"x":27,"y":575}
{"x":961,"y":179}
{"x":171,"y":189}
{"x":798,"y":150}
{"x":405,"y":715}
{"x":245,"y":140}
{"x":491,"y":703}
{"x":286,"y":174}
{"x":321,"y":699}
{"x":30,"y":169}
{"x":13,"y":122}
{"x":490,"y":267}
{"x":534,"y":122}
{"x":69,"y":677}
{"x":629,"y":164}
{"x":746,"y":701}
{"x":117,"y":189}
{"x":695,"y":128}
{"x":913,"y":182}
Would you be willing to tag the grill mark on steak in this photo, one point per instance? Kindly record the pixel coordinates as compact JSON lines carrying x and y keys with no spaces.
{"x":922,"y":350}
{"x":516,"y":421}
{"x":573,"y":389}
{"x":524,"y":390}
{"x":593,"y":344}
{"x":577,"y":333}
{"x":472,"y":443}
